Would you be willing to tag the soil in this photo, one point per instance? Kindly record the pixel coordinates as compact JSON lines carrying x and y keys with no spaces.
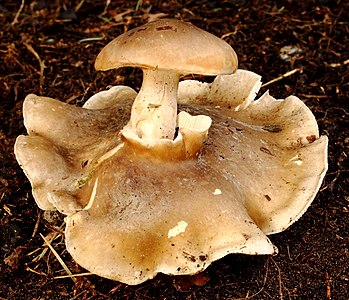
{"x":49,"y":47}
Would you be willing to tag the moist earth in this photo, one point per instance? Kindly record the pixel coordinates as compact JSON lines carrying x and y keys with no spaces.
{"x":299,"y":47}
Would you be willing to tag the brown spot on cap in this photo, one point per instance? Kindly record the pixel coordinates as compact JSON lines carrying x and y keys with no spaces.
{"x":267,"y":197}
{"x":266,"y":150}
{"x":166,"y":28}
{"x":311,"y":138}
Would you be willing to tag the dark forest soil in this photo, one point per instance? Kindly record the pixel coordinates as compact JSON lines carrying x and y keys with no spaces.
{"x":47,"y":49}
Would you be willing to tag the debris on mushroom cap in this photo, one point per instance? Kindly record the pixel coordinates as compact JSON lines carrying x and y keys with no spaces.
{"x":136,"y":207}
{"x":179,"y":45}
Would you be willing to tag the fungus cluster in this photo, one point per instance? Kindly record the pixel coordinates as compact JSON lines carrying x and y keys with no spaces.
{"x":146,"y":189}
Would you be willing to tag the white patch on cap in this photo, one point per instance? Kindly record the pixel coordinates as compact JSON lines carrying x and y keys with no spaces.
{"x":296,"y":160}
{"x":179,"y":228}
{"x":138,"y":274}
{"x":217,"y":192}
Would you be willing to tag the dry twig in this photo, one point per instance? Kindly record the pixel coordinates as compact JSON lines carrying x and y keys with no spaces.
{"x":15,"y":20}
{"x":280,"y":281}
{"x":36,"y":224}
{"x":42,"y":254}
{"x":79,"y":5}
{"x":60,"y":260}
{"x":328,"y":287}
{"x":73,"y":275}
{"x":287,"y":74}
{"x":34,"y":271}
{"x":41,"y":63}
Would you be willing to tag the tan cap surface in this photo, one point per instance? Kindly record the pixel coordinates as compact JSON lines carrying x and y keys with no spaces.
{"x":131,"y":214}
{"x":169,"y":44}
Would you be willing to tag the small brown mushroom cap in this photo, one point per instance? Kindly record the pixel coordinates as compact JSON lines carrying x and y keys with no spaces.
{"x":180,"y":46}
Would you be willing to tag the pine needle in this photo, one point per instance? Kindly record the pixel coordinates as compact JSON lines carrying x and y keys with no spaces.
{"x":59,"y":258}
{"x":73,"y":275}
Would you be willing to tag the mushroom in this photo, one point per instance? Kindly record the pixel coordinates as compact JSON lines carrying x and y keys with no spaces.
{"x":141,"y":197}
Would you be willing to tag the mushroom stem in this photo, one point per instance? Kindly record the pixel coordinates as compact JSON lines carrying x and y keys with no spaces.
{"x":154,"y":111}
